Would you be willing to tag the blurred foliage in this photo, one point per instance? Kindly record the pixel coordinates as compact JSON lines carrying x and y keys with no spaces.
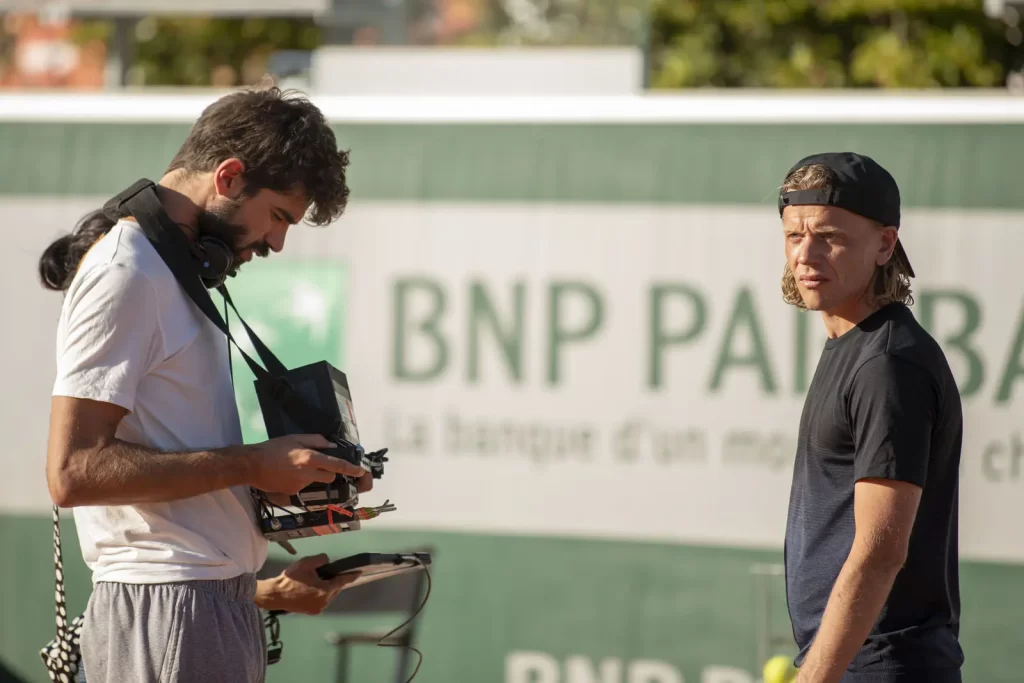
{"x":200,"y":51}
{"x":831,"y":43}
{"x":87,"y":31}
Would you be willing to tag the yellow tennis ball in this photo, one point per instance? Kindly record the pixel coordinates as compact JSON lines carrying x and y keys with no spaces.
{"x":779,"y":669}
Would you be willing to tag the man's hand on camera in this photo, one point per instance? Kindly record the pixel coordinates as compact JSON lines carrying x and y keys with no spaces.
{"x":365,"y":482}
{"x":289,"y":464}
{"x":299,"y":590}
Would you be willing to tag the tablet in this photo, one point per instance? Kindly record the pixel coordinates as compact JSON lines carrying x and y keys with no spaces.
{"x":375,"y":566}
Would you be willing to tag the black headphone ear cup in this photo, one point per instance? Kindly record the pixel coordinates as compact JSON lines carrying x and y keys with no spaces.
{"x":215,"y":260}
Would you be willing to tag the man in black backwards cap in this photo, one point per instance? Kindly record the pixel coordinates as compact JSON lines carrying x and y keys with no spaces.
{"x":871,"y":538}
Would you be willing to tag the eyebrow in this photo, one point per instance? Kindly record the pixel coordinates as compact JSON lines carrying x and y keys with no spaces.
{"x":816,"y":228}
{"x":287,"y":216}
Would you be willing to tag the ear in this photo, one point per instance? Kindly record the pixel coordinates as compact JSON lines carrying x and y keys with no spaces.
{"x":890,"y":235}
{"x":227,"y":178}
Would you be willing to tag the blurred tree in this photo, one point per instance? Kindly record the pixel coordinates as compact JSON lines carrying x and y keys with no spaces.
{"x":195,"y":51}
{"x":831,"y":43}
{"x":200,"y":51}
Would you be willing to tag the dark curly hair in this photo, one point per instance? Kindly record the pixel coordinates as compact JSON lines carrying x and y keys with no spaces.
{"x":284,"y":141}
{"x":282,"y":138}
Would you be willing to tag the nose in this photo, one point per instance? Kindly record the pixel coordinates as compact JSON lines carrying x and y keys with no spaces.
{"x":275,"y":240}
{"x":804,"y":251}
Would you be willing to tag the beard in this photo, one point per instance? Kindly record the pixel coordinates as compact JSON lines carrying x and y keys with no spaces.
{"x":217,"y":222}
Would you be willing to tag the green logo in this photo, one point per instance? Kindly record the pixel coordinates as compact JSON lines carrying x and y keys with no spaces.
{"x":296,"y":308}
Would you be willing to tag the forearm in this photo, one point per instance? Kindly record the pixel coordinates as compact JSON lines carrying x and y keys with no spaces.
{"x":121,"y":473}
{"x":853,"y":607}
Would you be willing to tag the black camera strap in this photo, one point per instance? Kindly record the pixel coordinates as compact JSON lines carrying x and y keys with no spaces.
{"x":141,"y":202}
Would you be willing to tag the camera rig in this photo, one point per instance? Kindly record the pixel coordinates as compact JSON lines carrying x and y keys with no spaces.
{"x":323,"y":509}
{"x":316,"y":399}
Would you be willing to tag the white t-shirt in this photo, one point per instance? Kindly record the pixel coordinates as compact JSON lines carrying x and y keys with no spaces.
{"x":128,"y":334}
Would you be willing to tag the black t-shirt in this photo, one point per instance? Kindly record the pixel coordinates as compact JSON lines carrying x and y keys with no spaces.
{"x":883,"y":404}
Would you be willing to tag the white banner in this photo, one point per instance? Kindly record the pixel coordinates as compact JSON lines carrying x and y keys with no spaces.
{"x":649,"y":382}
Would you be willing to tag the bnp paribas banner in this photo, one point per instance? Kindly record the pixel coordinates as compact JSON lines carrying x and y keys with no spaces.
{"x":570,"y":336}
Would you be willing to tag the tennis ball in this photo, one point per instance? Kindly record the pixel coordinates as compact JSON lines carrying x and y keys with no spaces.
{"x":779,"y":669}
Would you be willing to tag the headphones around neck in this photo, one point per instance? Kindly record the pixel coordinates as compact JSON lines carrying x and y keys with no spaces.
{"x":213,"y":258}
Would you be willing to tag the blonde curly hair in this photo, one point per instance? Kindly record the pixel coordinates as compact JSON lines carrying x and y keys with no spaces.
{"x":892,"y":281}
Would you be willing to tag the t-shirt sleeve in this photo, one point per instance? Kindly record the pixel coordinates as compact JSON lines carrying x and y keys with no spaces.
{"x":111,"y":336}
{"x":892,"y":413}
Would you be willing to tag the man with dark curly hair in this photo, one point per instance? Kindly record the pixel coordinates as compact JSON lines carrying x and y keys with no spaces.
{"x":871,"y":539}
{"x":145,"y":441}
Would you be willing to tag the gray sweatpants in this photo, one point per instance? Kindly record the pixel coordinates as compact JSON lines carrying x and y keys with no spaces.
{"x":187,"y":632}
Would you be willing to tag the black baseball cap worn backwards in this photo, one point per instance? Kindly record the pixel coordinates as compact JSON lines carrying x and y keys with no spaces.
{"x":859,"y":185}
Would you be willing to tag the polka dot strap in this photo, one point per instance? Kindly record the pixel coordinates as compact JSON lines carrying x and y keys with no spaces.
{"x":62,"y":655}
